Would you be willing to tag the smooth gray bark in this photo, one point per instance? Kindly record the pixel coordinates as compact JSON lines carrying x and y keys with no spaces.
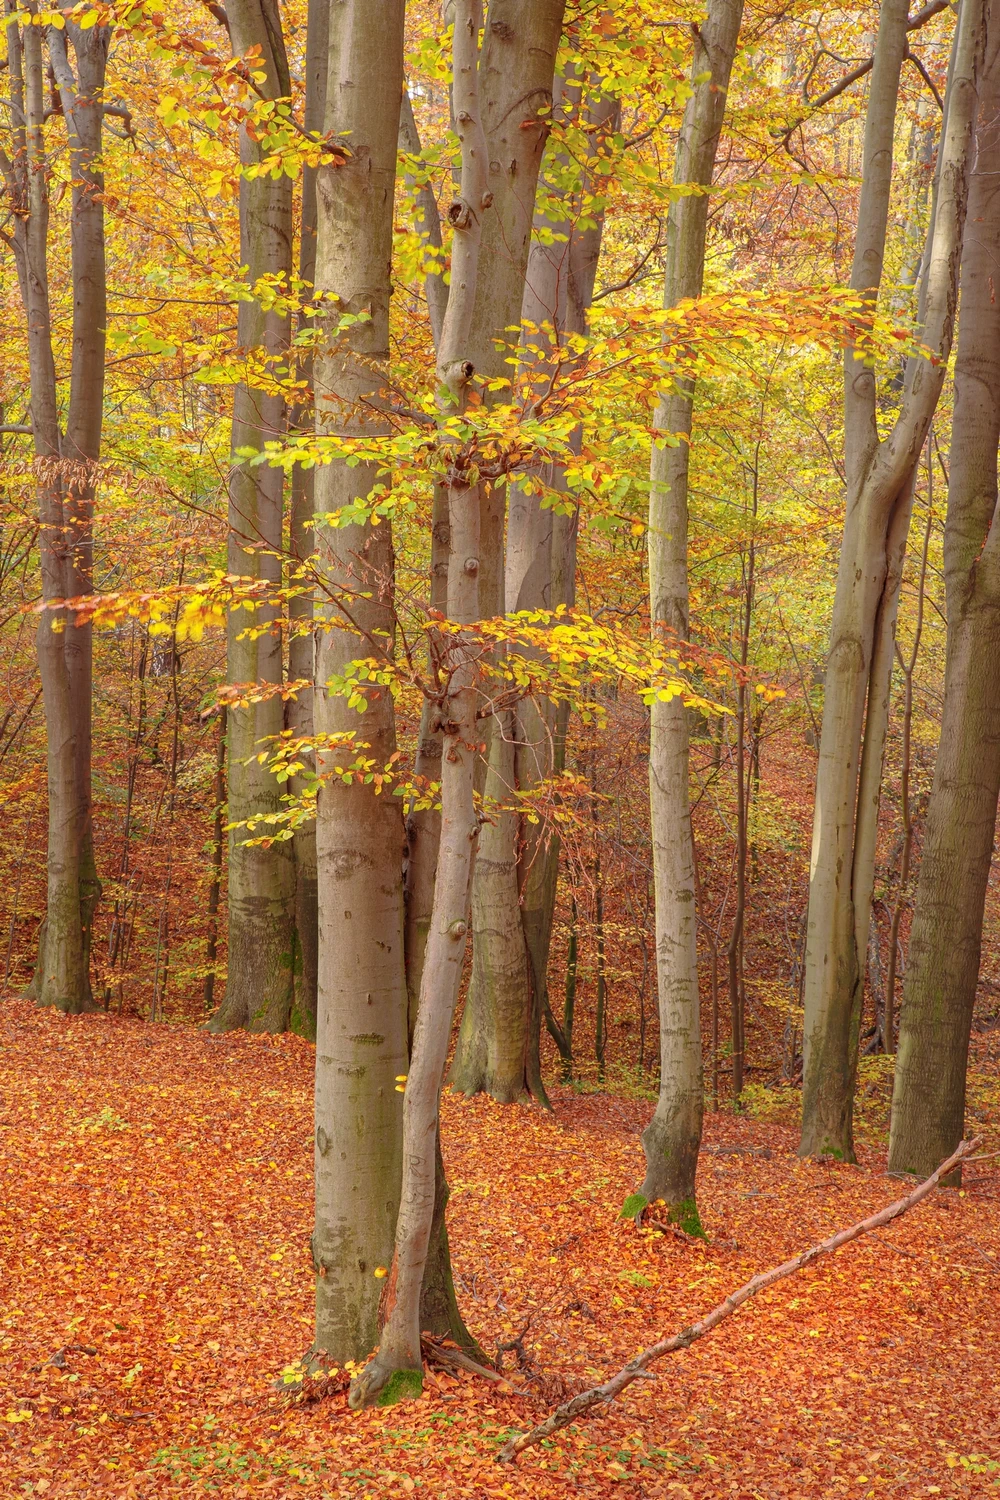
{"x":261,"y":896}
{"x":879,"y":475}
{"x":66,"y":486}
{"x":672,"y":1138}
{"x":301,"y":664}
{"x":395,"y":1371}
{"x":361,"y":1039}
{"x":928,"y":1106}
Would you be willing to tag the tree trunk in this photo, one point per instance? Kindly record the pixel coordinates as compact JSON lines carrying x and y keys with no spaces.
{"x":301,"y":665}
{"x":928,"y":1104}
{"x":517,"y":867}
{"x":261,"y":898}
{"x":672,"y":1138}
{"x":361,"y":1040}
{"x":66,"y":494}
{"x":879,"y":491}
{"x":516,"y":72}
{"x":396,"y":1370}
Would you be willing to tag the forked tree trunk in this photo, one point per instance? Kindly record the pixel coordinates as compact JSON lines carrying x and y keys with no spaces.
{"x":672,"y":1138}
{"x":361,"y":1038}
{"x":261,"y":896}
{"x":879,"y":495}
{"x":516,"y":72}
{"x":65,"y":490}
{"x":928,"y":1104}
{"x":396,"y":1369}
{"x":499,"y":1044}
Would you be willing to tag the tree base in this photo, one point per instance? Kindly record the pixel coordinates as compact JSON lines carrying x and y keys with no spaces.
{"x":683,"y":1213}
{"x":385,"y":1381}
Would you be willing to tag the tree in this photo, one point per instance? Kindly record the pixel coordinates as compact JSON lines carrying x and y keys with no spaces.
{"x":516,"y":71}
{"x":515,"y":887}
{"x":261,"y":894}
{"x":395,"y":1371}
{"x":361,"y":1034}
{"x":672,"y":1138}
{"x":299,"y":712}
{"x":928,"y":1105}
{"x":879,"y":480}
{"x":66,"y":456}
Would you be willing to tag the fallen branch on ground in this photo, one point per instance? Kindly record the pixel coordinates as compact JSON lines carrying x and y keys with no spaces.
{"x":636,"y":1369}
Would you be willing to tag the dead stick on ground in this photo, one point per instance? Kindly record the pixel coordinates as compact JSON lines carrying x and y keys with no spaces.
{"x":636,"y":1368}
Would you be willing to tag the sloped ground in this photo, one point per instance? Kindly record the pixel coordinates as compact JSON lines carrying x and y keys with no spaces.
{"x":154,"y":1220}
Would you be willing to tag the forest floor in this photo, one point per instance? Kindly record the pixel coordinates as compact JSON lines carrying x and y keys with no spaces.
{"x":155,"y":1189}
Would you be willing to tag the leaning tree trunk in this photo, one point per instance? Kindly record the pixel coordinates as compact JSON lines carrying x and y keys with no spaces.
{"x":928,"y":1105}
{"x":396,"y":1369}
{"x":879,"y":477}
{"x":516,"y":72}
{"x":65,"y":464}
{"x":672,"y":1138}
{"x":361,"y":1040}
{"x":261,"y":897}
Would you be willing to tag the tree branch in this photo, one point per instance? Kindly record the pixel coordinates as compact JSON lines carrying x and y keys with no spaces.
{"x":636,"y":1369}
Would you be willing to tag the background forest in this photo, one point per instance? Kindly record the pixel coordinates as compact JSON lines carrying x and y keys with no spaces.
{"x":498,"y":661}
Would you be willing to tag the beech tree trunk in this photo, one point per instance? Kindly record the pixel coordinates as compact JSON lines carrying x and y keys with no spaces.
{"x":516,"y":72}
{"x":261,"y":897}
{"x":396,"y":1370}
{"x":66,"y":488}
{"x":672,"y":1138}
{"x":361,"y":1039}
{"x":879,"y":494}
{"x":928,"y":1105}
{"x":299,"y":711}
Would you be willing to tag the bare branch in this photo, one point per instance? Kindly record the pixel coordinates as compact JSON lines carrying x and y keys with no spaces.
{"x":636,"y":1369}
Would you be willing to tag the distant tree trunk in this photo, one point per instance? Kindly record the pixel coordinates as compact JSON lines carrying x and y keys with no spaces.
{"x":215,"y":886}
{"x":66,"y":485}
{"x":299,"y":711}
{"x":261,"y":898}
{"x":672,"y":1138}
{"x":396,"y":1370}
{"x":361,"y":1037}
{"x":908,"y":666}
{"x":879,"y":496}
{"x":928,"y":1104}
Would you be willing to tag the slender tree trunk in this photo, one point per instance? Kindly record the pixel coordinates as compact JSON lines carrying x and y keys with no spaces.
{"x":65,"y":488}
{"x":672,"y":1138}
{"x":361,"y":1037}
{"x":81,"y":96}
{"x":301,"y":665}
{"x":518,"y":863}
{"x":928,"y":1106}
{"x":879,"y":492}
{"x":261,"y":897}
{"x":908,"y":666}
{"x":215,"y":885}
{"x":516,"y":73}
{"x":396,"y":1370}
